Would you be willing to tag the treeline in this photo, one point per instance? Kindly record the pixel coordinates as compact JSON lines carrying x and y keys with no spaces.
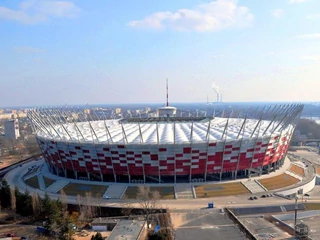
{"x":309,"y":128}
{"x":57,"y":219}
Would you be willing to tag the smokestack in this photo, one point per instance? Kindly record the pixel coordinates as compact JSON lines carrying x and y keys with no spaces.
{"x":167,"y":94}
{"x":216,"y":89}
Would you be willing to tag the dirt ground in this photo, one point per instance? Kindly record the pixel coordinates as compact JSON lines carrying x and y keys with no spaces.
{"x":30,"y":230}
{"x":8,"y":160}
{"x":178,"y":219}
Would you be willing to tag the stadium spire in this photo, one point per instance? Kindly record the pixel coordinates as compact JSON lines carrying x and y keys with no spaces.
{"x":167,"y":94}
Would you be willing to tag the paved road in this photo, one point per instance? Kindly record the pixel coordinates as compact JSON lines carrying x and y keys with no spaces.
{"x":14,"y":178}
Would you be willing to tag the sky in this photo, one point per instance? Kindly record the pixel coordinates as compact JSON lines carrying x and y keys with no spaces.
{"x":108,"y":52}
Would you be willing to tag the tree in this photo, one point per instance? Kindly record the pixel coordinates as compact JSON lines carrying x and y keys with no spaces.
{"x":66,"y":227}
{"x":5,"y":194}
{"x":51,"y":212}
{"x":98,"y":236}
{"x":24,"y":203}
{"x":148,"y":201}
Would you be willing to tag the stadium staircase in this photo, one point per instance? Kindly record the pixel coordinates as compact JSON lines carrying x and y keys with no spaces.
{"x":253,"y":186}
{"x":294,"y":175}
{"x":184,"y":191}
{"x":57,"y":186}
{"x":42,"y":184}
{"x":115,"y":191}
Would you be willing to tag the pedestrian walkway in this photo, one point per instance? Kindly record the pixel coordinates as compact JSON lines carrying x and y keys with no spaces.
{"x":294,"y":175}
{"x":115,"y":191}
{"x":42,"y":184}
{"x":57,"y":186}
{"x":253,"y":186}
{"x":184,"y":191}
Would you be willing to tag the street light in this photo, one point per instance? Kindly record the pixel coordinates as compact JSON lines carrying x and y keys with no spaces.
{"x":295,"y":214}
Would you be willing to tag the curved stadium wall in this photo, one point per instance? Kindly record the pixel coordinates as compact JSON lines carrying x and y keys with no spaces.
{"x":165,"y":150}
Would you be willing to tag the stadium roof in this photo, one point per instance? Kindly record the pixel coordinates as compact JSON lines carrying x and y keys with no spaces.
{"x":113,"y":131}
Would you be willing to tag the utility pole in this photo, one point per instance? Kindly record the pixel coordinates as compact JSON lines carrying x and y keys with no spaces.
{"x":295,"y":215}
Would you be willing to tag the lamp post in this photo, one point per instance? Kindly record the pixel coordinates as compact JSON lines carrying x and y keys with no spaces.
{"x":295,"y":215}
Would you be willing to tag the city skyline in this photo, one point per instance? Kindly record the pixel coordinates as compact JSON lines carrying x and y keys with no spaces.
{"x":74,"y":52}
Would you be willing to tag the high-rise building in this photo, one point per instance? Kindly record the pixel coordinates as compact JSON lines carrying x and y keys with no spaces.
{"x":11,"y":129}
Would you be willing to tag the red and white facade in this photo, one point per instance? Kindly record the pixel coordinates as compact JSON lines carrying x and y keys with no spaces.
{"x":248,"y":147}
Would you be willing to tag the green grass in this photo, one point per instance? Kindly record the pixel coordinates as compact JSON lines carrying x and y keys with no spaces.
{"x":33,"y":182}
{"x":165,"y":192}
{"x":74,"y":189}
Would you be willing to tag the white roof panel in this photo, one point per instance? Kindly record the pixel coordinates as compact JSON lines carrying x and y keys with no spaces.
{"x":166,"y":132}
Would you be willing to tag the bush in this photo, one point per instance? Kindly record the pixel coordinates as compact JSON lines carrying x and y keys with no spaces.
{"x":158,"y":236}
{"x":98,"y":236}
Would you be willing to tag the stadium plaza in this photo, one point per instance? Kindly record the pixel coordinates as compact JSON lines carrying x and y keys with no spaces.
{"x":36,"y":177}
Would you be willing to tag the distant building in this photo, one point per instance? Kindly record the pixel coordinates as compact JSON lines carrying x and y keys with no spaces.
{"x":118,"y":110}
{"x":11,"y":129}
{"x":167,"y":111}
{"x":121,"y":229}
{"x":86,"y":111}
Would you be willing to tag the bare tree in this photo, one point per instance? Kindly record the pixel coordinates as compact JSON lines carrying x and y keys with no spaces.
{"x":36,"y":204}
{"x":64,"y":200}
{"x":79,"y":201}
{"x":13,"y":199}
{"x":86,"y":210}
{"x":148,"y":201}
{"x":126,"y":209}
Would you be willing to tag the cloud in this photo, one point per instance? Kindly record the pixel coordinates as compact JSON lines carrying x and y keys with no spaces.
{"x":276,"y":13}
{"x":297,"y":1}
{"x":28,"y":49}
{"x":310,"y":36}
{"x":315,"y":58}
{"x":313,"y":16}
{"x":211,"y":16}
{"x":35,"y":11}
{"x":219,"y":56}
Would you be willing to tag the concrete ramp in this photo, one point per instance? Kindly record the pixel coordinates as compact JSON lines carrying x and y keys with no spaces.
{"x":253,"y":186}
{"x":266,"y":209}
{"x":115,"y":191}
{"x":294,"y":175}
{"x":57,"y":186}
{"x":42,"y":184}
{"x":184,"y":191}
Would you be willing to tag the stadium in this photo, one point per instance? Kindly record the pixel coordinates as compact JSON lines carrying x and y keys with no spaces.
{"x":165,"y":149}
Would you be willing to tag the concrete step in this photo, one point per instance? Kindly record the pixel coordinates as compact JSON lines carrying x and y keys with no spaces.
{"x":57,"y":186}
{"x":115,"y":191}
{"x":253,"y":186}
{"x":184,"y":191}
